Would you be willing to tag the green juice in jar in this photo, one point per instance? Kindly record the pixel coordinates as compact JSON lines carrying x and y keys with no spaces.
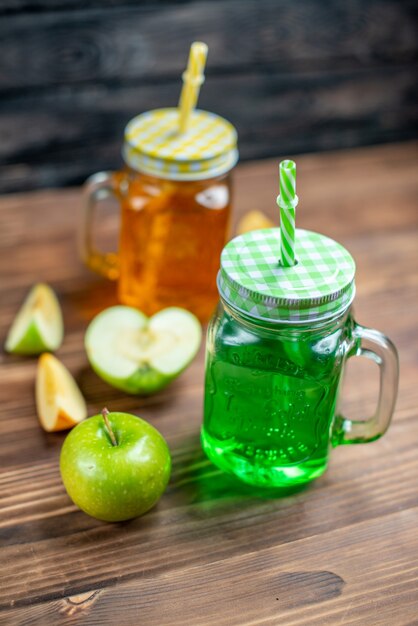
{"x":276,"y":350}
{"x":270,"y":397}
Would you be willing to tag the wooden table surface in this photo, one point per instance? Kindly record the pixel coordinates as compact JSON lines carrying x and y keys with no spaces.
{"x":212,"y":552}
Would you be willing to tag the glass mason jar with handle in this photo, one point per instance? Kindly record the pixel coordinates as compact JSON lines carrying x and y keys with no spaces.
{"x":276,"y":352}
{"x":175,"y":200}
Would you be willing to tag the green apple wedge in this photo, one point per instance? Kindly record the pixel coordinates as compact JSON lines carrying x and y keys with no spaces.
{"x":141,"y":355}
{"x":38,"y":325}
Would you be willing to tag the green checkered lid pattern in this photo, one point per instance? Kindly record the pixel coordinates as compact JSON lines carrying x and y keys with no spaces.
{"x":253,"y":280}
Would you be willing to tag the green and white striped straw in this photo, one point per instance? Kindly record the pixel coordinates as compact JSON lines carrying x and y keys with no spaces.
{"x":287,"y":201}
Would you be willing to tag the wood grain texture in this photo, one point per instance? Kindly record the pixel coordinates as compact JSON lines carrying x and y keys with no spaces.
{"x":292,"y":77}
{"x":137,"y":43}
{"x":344,"y":551}
{"x":73,"y":134}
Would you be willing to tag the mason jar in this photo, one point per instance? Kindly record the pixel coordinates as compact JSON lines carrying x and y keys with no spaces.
{"x":175,"y":199}
{"x":276,"y":351}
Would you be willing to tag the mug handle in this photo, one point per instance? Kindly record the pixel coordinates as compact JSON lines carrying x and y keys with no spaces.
{"x":374,"y":346}
{"x":97,"y":187}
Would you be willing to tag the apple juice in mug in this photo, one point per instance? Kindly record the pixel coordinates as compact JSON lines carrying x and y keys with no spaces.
{"x":175,"y":199}
{"x":276,"y":350}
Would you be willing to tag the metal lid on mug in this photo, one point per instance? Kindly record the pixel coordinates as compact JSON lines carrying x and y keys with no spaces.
{"x":154,"y":145}
{"x":253,"y":280}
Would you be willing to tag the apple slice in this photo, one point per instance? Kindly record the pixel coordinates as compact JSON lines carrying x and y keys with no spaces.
{"x":254,"y":220}
{"x":59,"y":402}
{"x":138,"y":354}
{"x":38,"y":325}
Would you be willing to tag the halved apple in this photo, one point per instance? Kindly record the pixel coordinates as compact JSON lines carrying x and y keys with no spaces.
{"x":59,"y":402}
{"x":38,"y":325}
{"x":138,"y":354}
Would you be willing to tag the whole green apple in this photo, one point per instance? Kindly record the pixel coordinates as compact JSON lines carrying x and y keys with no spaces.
{"x":115,"y":466}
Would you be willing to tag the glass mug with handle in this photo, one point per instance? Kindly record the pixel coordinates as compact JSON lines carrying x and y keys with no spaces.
{"x":276,"y":352}
{"x":175,"y":201}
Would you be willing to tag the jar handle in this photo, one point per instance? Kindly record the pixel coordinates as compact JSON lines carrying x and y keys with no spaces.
{"x":98,"y":187}
{"x":374,"y":346}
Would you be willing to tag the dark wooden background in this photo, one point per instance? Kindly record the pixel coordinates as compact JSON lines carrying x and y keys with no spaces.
{"x":292,"y":76}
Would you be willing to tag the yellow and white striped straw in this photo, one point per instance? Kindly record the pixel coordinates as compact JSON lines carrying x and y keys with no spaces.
{"x":193,"y":78}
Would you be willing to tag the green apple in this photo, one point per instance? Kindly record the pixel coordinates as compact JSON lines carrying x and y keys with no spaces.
{"x":38,"y":326}
{"x":115,"y":466}
{"x":138,"y":354}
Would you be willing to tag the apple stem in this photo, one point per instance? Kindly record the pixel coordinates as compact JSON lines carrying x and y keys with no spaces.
{"x":105,"y":414}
